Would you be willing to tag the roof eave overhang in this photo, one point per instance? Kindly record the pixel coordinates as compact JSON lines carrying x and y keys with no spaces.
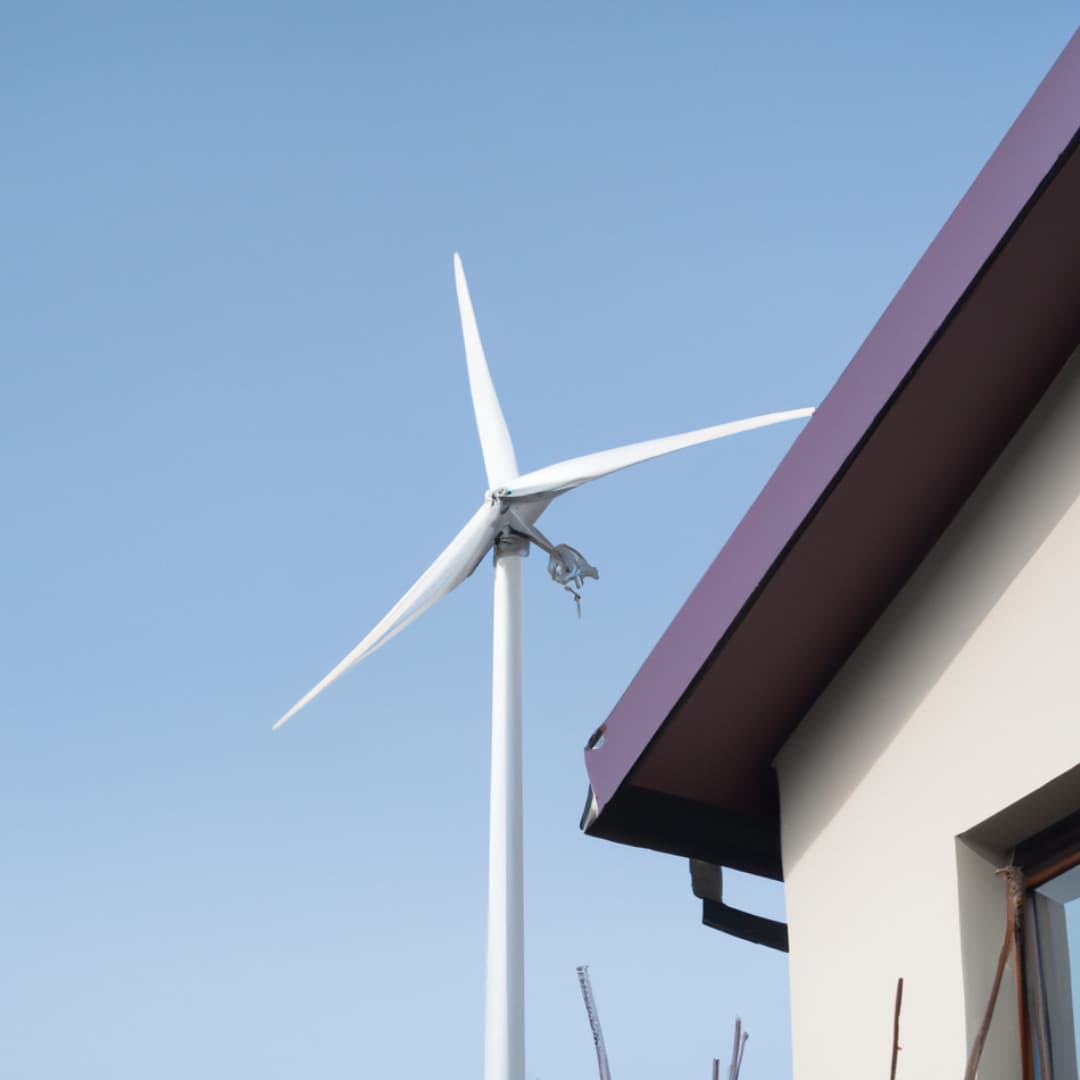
{"x":961,"y":355}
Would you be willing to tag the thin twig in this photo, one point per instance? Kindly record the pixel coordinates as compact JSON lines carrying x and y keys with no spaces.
{"x":896,"y":1028}
{"x":741,"y":1035}
{"x":1014,"y":905}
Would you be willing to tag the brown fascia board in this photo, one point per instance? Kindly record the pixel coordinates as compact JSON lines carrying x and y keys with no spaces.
{"x":959,"y":358}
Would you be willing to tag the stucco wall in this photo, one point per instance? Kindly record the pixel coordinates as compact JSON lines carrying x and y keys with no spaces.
{"x":963,"y":699}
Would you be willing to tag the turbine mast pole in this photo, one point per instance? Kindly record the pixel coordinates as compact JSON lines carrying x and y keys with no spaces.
{"x":504,"y":1015}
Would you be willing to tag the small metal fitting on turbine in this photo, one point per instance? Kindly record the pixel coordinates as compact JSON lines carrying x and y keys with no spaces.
{"x":569,"y":568}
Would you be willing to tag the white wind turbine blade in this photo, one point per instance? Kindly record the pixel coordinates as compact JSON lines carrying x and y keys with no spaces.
{"x":498,"y":450}
{"x":555,"y":479}
{"x":448,"y":571}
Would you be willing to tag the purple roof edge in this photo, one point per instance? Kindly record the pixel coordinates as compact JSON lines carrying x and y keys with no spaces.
{"x":981,"y":220}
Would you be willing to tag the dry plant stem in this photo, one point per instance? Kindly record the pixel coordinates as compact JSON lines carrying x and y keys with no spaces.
{"x":1014,"y":905}
{"x":741,"y":1035}
{"x":896,"y":1028}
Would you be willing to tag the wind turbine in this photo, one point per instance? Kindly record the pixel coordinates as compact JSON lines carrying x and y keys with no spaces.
{"x":506,"y":525}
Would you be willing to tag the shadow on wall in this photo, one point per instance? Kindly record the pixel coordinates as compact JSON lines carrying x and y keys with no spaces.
{"x":1015,"y":507}
{"x":982,"y":926}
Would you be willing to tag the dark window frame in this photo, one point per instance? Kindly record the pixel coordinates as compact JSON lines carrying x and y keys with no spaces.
{"x":1042,"y":857}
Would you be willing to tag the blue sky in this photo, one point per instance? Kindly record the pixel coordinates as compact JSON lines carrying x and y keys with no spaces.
{"x":235,"y":425}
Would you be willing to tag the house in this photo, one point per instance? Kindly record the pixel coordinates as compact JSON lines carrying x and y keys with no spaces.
{"x":873,"y":694}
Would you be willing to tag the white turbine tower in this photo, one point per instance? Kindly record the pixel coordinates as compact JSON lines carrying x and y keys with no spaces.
{"x":506,"y":524}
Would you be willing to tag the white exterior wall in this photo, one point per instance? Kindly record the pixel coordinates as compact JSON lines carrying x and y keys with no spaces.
{"x":963,"y":699}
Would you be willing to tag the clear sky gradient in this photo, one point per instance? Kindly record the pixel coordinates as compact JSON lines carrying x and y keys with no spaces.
{"x":235,"y":426}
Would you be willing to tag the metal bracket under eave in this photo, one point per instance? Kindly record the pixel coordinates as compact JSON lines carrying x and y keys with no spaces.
{"x":706,"y":881}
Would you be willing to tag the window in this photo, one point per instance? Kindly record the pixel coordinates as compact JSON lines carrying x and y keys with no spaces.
{"x":1050,"y":1015}
{"x":1052,"y":974}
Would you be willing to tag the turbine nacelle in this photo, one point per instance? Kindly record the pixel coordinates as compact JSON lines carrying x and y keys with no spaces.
{"x":566,"y":565}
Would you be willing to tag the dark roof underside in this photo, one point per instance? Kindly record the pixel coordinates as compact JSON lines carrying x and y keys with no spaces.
{"x":954,"y":366}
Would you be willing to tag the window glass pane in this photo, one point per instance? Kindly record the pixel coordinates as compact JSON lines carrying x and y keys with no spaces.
{"x":1053,"y":975}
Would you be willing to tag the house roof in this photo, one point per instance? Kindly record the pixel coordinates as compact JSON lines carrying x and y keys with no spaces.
{"x":961,"y":355}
